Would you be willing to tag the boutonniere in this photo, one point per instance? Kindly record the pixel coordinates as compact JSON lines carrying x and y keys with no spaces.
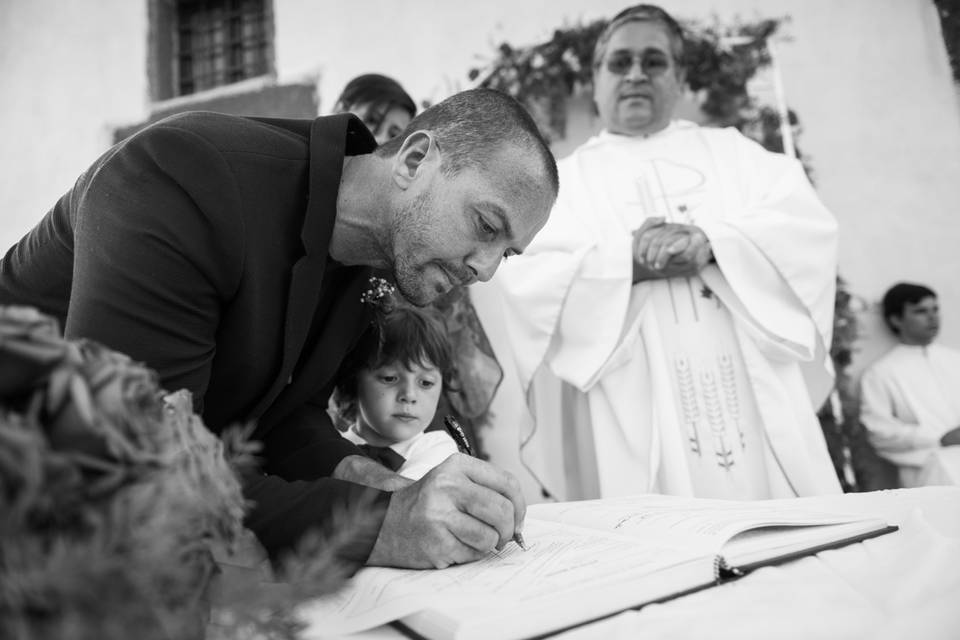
{"x":379,"y":294}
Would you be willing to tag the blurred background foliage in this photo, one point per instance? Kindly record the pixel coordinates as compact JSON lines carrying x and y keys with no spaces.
{"x":949,"y":11}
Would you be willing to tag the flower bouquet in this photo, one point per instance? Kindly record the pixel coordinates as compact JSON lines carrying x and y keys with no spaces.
{"x":116,"y":500}
{"x":113,"y":492}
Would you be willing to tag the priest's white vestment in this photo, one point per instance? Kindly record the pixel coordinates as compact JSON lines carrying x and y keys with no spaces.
{"x":704,"y":386}
{"x":909,"y":399}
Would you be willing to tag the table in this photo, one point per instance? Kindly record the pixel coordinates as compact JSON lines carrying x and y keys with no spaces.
{"x":942,"y":467}
{"x":902,"y":585}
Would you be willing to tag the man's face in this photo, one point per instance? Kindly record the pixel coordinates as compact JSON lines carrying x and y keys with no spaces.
{"x":455,"y":230}
{"x":638,"y":83}
{"x":920,"y":322}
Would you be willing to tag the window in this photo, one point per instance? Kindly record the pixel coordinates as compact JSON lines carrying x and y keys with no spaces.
{"x":202,"y":44}
{"x":224,"y":45}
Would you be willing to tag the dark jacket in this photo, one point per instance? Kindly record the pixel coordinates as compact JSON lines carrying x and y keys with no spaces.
{"x":199,"y":246}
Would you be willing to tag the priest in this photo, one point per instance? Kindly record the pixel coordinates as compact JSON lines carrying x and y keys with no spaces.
{"x":682,"y":292}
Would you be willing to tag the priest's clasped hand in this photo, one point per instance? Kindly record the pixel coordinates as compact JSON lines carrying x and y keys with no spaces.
{"x":458,"y":512}
{"x":669,"y":249}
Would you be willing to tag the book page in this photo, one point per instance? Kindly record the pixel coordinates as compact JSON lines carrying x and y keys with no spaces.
{"x":691,"y":521}
{"x":567,"y":575}
{"x":759,"y":545}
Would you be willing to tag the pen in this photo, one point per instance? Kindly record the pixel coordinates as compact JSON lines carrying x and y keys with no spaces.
{"x":459,"y":437}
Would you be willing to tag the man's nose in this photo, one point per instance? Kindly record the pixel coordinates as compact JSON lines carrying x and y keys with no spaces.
{"x":484,"y":264}
{"x":636,"y":72}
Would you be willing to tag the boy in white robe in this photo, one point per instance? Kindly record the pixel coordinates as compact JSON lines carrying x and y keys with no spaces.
{"x":683,"y":293}
{"x":910,"y":397}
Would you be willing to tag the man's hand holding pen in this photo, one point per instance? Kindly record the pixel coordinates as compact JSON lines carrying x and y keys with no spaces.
{"x":463,"y":445}
{"x":457,"y":513}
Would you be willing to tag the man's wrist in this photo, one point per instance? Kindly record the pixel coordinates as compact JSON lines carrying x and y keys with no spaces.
{"x":641,"y":273}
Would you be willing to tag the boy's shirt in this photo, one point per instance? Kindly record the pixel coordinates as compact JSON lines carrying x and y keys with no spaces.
{"x":421,"y":453}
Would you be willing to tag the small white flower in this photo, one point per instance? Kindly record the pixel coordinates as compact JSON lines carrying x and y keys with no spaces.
{"x":379,"y":289}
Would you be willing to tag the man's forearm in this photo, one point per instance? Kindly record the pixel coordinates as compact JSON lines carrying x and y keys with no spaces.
{"x":673,"y":269}
{"x":282,"y":512}
{"x":365,"y":471}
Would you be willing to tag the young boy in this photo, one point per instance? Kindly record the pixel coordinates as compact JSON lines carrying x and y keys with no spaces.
{"x":389,"y":389}
{"x":908,"y":398}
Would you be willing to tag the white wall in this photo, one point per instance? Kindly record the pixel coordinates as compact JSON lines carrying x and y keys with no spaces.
{"x":67,"y":76}
{"x":868,"y":78}
{"x":428,"y":45}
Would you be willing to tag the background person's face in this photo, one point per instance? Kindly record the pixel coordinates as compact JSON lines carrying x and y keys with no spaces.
{"x":920,"y":322}
{"x":384,"y":125}
{"x":395,"y":402}
{"x":640,"y":101}
{"x":456,"y":229}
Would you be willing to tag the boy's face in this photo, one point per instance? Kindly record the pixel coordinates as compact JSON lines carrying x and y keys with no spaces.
{"x":395,"y":402}
{"x":920,"y":322}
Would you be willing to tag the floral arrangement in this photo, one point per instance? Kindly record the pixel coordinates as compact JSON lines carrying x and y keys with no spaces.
{"x":117,"y":503}
{"x":113,"y":493}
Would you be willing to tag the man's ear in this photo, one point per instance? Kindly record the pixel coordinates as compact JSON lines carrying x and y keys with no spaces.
{"x":416,"y":153}
{"x":682,"y":76}
{"x":896,"y":322}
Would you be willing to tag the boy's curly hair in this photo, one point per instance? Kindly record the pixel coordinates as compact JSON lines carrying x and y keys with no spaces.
{"x":400,"y":333}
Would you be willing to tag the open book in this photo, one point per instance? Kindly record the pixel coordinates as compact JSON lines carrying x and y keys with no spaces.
{"x":586,"y":560}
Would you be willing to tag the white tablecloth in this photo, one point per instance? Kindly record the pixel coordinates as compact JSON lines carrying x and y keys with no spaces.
{"x":942,"y":467}
{"x":901,"y":585}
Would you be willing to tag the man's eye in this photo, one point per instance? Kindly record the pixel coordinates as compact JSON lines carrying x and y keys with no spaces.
{"x":486,"y":228}
{"x":656,"y":63}
{"x":619,"y":64}
{"x":388,"y":379}
{"x":427,"y":384}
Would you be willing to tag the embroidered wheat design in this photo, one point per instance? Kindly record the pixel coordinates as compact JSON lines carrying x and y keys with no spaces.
{"x":714,"y":411}
{"x":688,"y":401}
{"x":728,"y":381}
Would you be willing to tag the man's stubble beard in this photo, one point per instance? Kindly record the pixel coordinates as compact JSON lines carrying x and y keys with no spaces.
{"x":410,"y":225}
